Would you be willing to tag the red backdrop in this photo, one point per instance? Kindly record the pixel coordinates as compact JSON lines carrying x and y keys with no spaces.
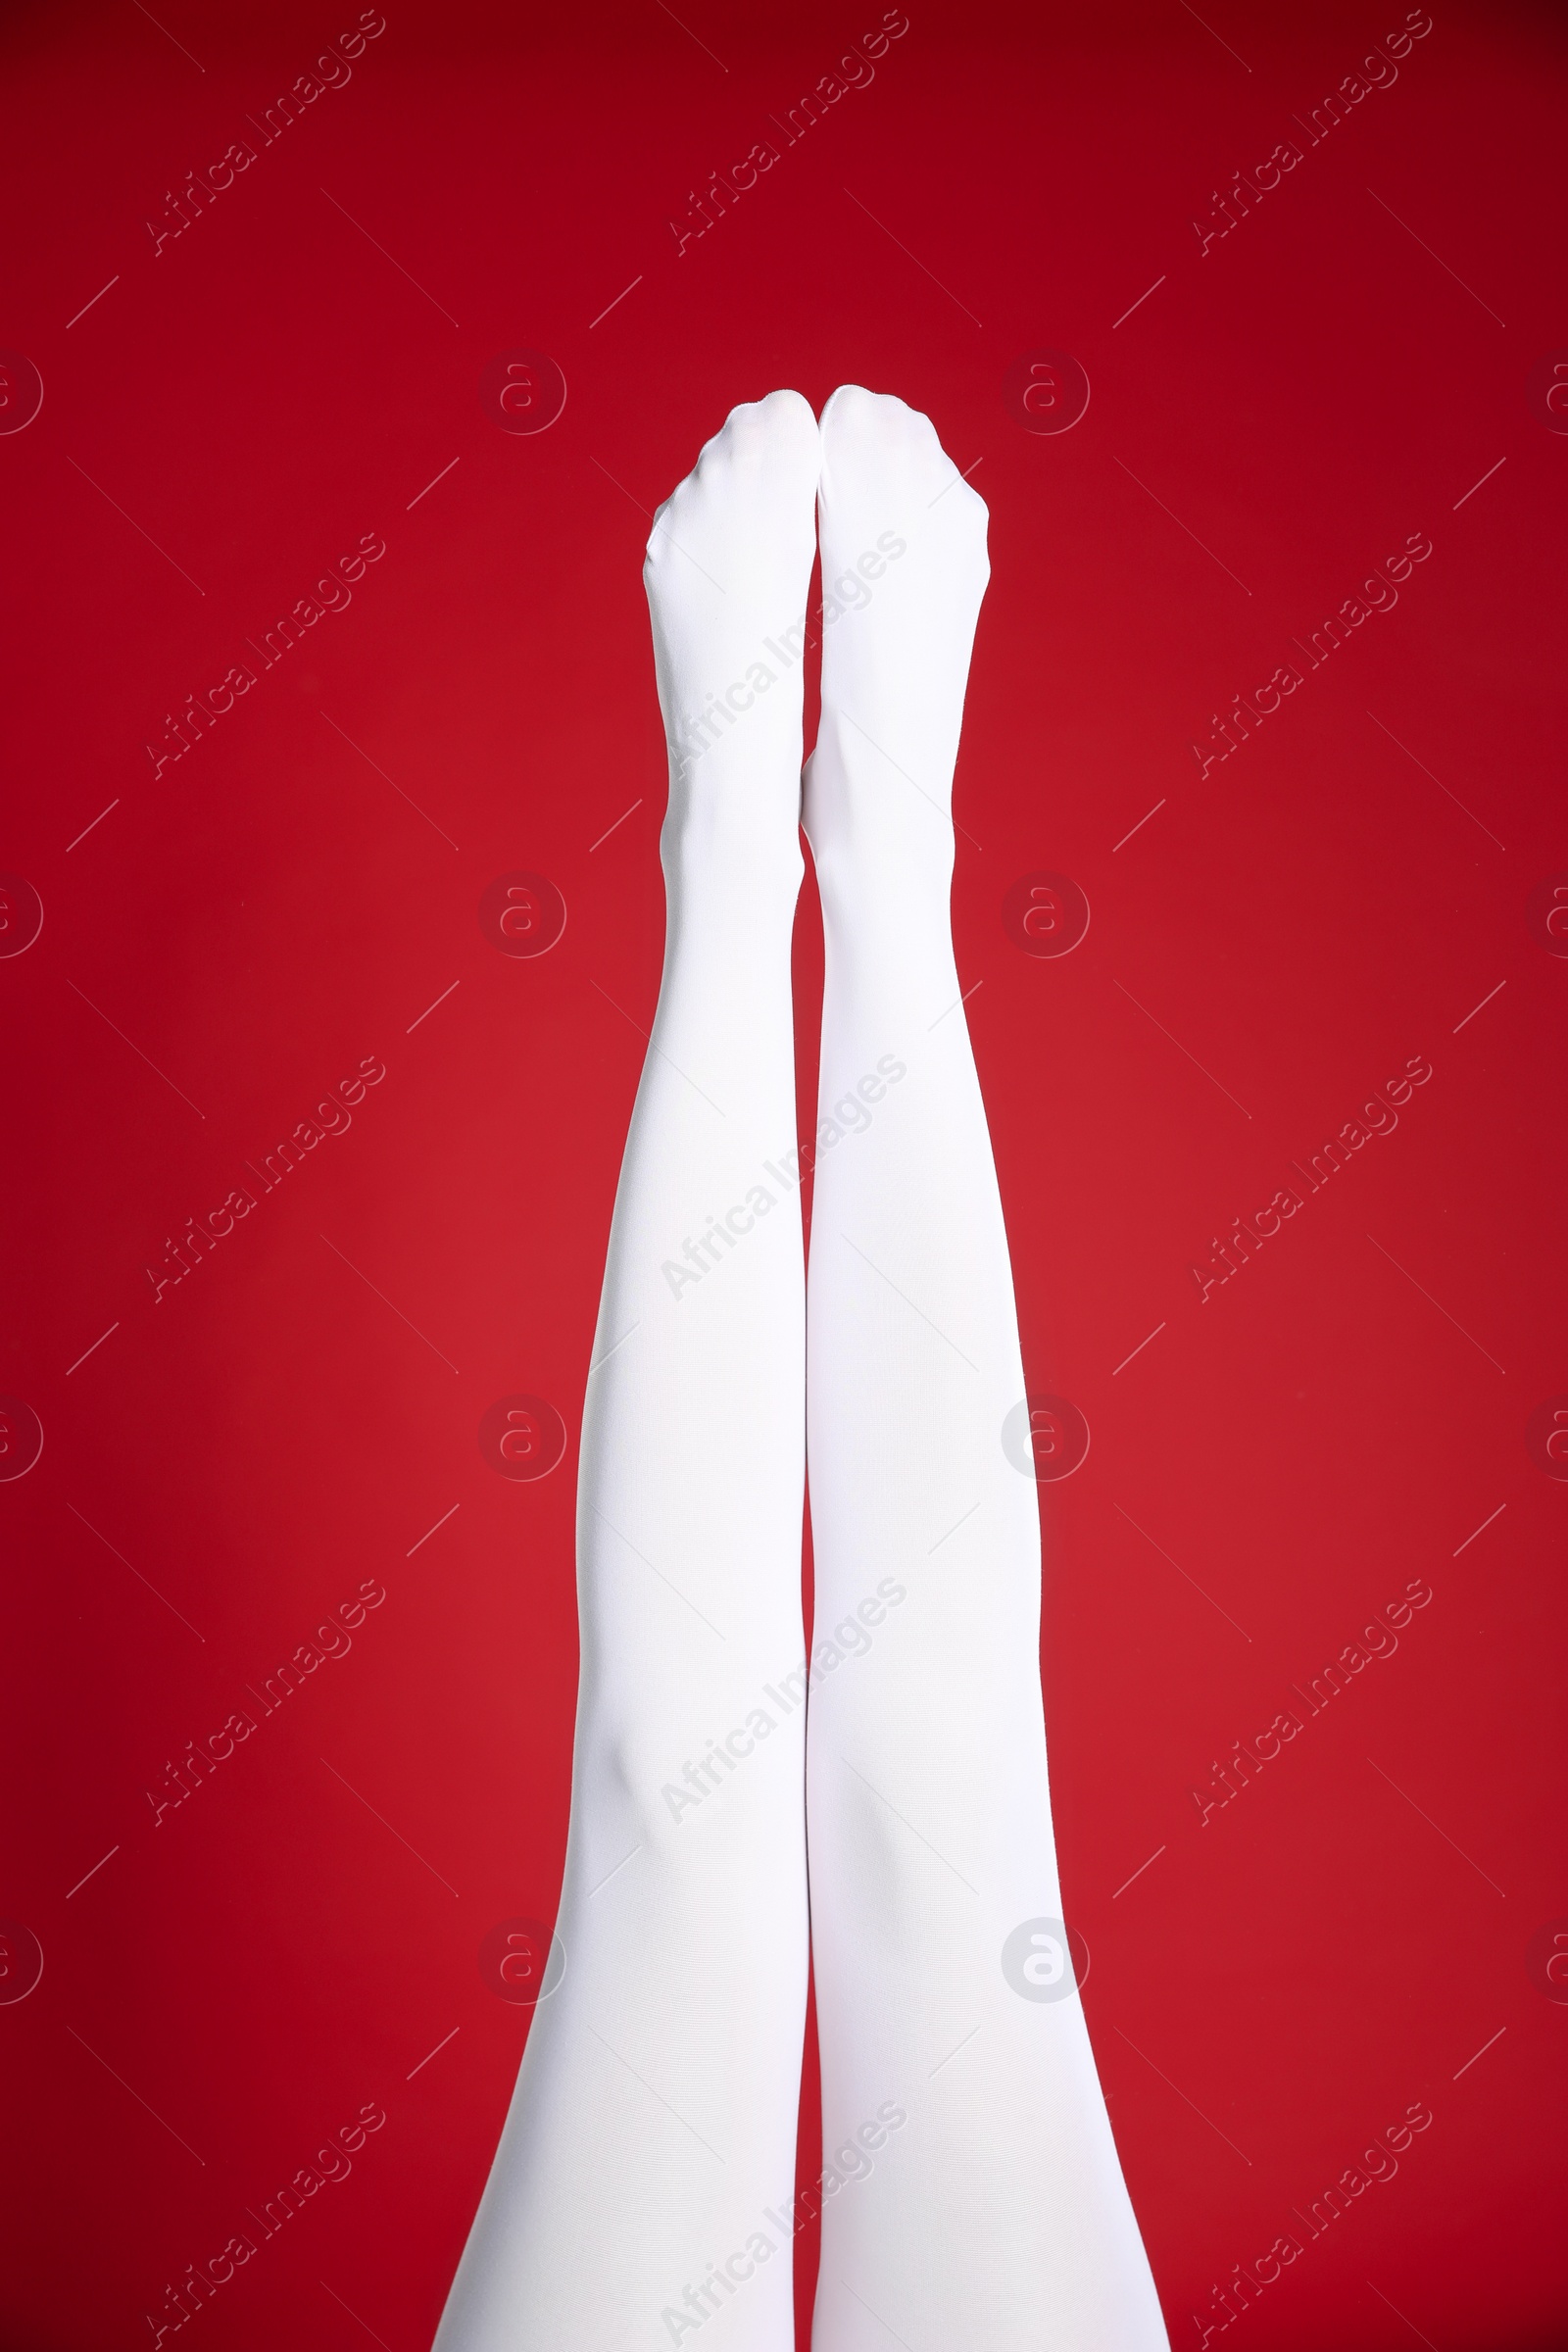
{"x":247,"y":377}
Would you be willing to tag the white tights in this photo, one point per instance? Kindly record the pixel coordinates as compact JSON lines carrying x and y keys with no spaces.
{"x":641,"y":2195}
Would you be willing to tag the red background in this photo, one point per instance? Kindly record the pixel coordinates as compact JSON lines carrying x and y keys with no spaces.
{"x":1280,"y":1982}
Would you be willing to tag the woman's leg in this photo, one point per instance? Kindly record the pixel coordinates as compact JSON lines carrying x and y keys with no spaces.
{"x":654,"y":2115}
{"x":978,"y":2198}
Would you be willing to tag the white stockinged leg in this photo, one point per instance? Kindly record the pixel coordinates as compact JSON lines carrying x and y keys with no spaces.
{"x":654,"y":2121}
{"x":995,"y":2213}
